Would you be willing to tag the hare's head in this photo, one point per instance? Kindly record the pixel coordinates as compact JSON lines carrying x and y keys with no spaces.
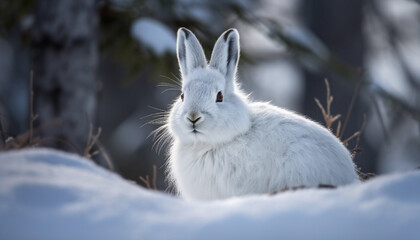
{"x":210,"y":108}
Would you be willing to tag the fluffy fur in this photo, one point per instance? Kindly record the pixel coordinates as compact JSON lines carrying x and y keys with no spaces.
{"x":237,"y":147}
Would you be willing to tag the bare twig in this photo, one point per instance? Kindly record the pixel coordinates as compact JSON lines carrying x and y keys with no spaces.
{"x":330,"y":119}
{"x":105,"y":156}
{"x":364,"y":176}
{"x":326,"y":113}
{"x":22,"y":140}
{"x":32,"y":116}
{"x":346,"y":141}
{"x":146,"y":180}
{"x":353,"y":100}
{"x":337,"y":132}
{"x":92,"y":140}
{"x":356,"y":148}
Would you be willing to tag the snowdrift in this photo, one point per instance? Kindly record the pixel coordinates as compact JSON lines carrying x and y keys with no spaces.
{"x":46,"y":194}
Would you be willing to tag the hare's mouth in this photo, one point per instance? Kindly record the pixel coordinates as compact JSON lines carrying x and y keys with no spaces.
{"x":195,"y":131}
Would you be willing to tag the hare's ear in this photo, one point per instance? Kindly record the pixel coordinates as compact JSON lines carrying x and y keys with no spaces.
{"x":189,"y":52}
{"x":225,"y":54}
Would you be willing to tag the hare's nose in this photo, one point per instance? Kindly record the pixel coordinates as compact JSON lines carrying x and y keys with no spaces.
{"x":193,"y":117}
{"x":194,"y":120}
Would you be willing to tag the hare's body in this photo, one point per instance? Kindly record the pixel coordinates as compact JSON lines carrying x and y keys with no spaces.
{"x":228,"y":146}
{"x":280,"y":150}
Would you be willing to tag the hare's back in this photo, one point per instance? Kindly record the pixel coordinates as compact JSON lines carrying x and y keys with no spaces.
{"x":272,"y":120}
{"x":294,"y":141}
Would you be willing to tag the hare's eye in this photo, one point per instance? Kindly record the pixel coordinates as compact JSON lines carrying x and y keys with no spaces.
{"x":182,"y":96}
{"x":219,"y":97}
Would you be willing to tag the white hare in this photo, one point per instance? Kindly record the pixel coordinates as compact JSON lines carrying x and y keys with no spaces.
{"x":224,"y":145}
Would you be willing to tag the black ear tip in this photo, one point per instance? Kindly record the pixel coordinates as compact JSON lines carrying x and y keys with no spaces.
{"x":228,"y":32}
{"x":185,"y":31}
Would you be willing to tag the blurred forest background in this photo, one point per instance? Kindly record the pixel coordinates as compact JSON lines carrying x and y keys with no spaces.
{"x":103,"y":68}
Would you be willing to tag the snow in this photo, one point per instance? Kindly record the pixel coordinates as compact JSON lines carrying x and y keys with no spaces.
{"x":208,"y":11}
{"x":45,"y":194}
{"x":276,"y":80}
{"x":154,"y":35}
{"x":306,"y":38}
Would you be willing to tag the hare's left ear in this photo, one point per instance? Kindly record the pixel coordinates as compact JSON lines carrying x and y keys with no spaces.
{"x":225,"y":55}
{"x":189,"y":52}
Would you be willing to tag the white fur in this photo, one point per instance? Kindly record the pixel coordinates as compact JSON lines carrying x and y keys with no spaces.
{"x":242,"y":147}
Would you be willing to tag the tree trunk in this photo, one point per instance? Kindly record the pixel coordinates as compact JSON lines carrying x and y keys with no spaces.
{"x":338,"y":24}
{"x":65,"y":54}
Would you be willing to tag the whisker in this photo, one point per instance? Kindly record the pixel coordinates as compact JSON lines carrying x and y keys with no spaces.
{"x":155,"y":108}
{"x":165,"y":84}
{"x":177,"y":78}
{"x":159,"y":114}
{"x":169,"y":89}
{"x":156,"y":118}
{"x":177,"y":81}
{"x":161,"y":136}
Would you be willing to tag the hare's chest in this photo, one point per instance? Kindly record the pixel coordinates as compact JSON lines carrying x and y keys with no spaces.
{"x":203,"y":173}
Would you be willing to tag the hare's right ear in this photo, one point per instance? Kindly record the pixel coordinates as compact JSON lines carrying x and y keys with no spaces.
{"x":189,"y":52}
{"x":225,"y":55}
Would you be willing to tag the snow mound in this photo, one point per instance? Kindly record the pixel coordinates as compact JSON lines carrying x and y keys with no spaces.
{"x":154,"y":35}
{"x":46,"y":194}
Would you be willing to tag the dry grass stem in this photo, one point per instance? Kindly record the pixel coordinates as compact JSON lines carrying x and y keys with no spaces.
{"x":92,"y":140}
{"x":330,"y":119}
{"x":356,"y":149}
{"x":326,"y":113}
{"x":346,"y":141}
{"x":105,"y":156}
{"x":337,"y":132}
{"x":364,"y":176}
{"x":353,"y":100}
{"x":23,"y":140}
{"x":32,"y":116}
{"x":146,"y":180}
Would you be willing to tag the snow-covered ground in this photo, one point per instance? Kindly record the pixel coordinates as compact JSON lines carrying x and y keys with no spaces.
{"x":46,"y":194}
